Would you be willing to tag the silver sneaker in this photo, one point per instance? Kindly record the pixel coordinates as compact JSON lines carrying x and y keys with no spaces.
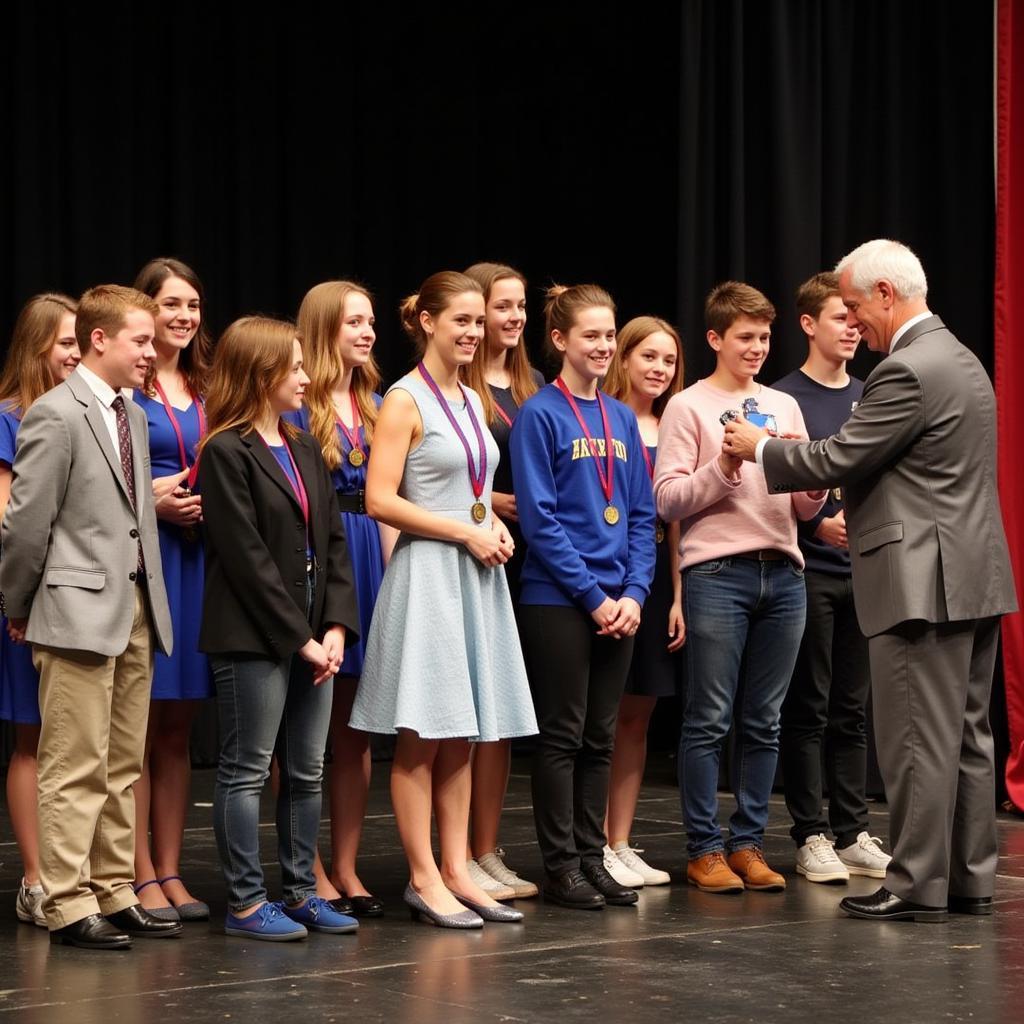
{"x":493,"y":864}
{"x":623,"y":875}
{"x":630,"y":857}
{"x":816,"y":860}
{"x":495,"y":889}
{"x":28,"y":904}
{"x":865,"y":857}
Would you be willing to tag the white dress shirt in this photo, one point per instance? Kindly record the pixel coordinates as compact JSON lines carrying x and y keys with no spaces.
{"x":105,"y":395}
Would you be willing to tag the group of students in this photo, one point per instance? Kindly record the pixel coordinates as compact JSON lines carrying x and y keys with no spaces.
{"x":473,"y":557}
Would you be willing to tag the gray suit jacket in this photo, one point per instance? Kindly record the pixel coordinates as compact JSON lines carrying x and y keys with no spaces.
{"x":69,"y":533}
{"x":917,"y":463}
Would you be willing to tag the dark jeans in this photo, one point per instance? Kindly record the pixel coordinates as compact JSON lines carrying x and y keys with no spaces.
{"x":577,"y":679}
{"x":825,"y":712}
{"x":268,"y":708}
{"x":744,"y":620}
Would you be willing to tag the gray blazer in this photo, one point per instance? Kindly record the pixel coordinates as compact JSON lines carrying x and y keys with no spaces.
{"x":917,"y":462}
{"x":69,"y":533}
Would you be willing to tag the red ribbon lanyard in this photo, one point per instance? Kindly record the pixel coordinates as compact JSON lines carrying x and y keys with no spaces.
{"x":647,"y":459}
{"x":352,"y":436}
{"x":606,"y":476}
{"x":476,"y":478}
{"x":176,"y":426}
{"x":501,"y":412}
{"x":298,"y":486}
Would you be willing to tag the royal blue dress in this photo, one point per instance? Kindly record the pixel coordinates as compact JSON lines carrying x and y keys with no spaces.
{"x":185,"y":673}
{"x":363,"y":537}
{"x":19,"y":683}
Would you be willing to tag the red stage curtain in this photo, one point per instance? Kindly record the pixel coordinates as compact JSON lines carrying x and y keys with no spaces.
{"x":1009,"y":354}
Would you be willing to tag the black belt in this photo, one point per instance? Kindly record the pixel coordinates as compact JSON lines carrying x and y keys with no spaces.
{"x":355,"y":502}
{"x":764,"y":555}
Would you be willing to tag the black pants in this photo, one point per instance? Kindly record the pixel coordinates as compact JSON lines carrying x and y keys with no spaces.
{"x":825,"y":707}
{"x":577,"y":679}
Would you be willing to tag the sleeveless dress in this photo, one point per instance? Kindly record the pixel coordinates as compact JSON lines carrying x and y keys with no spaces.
{"x":362,"y":536}
{"x":19,"y":682}
{"x":443,"y":656}
{"x":185,"y":673}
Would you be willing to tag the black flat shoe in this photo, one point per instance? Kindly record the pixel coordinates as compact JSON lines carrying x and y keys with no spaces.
{"x":92,"y":932}
{"x":885,"y":906}
{"x":980,"y":906}
{"x":367,"y":906}
{"x":614,"y":894}
{"x":136,"y":920}
{"x":343,"y":905}
{"x":571,"y":889}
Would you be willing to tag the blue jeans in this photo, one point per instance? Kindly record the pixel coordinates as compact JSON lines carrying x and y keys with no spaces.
{"x":267,"y":708}
{"x":744,"y":621}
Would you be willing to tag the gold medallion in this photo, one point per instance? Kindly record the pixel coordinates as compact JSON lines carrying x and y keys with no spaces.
{"x":659,"y":532}
{"x":356,"y":457}
{"x":479,"y":511}
{"x":611,"y":515}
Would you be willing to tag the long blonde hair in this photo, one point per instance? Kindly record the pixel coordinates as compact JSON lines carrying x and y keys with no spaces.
{"x":617,"y":382}
{"x":517,"y":362}
{"x":251,"y":359}
{"x":320,"y":319}
{"x":26,"y":374}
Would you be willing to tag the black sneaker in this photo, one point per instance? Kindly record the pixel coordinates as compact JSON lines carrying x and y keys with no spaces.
{"x":571,"y":889}
{"x":614,"y":894}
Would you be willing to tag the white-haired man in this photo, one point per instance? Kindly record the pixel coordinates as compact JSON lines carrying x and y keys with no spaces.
{"x":931,"y":576}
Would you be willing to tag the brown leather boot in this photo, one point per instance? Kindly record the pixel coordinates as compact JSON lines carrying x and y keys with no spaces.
{"x":710,"y":873}
{"x":750,"y":865}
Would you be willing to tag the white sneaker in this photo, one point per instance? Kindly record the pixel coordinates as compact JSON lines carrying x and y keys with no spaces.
{"x":630,"y":857}
{"x":28,"y":904}
{"x":623,"y":875}
{"x":495,"y":889}
{"x":865,"y":857}
{"x":501,"y":872}
{"x":816,"y":860}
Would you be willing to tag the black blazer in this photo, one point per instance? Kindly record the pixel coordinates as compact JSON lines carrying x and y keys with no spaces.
{"x":254,"y":602}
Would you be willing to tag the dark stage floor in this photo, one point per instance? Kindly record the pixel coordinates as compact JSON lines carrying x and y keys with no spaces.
{"x":679,"y":955}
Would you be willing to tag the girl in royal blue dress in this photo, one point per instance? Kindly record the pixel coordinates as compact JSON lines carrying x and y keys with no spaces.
{"x":336,"y":326}
{"x":43,"y":352}
{"x":172,"y":401}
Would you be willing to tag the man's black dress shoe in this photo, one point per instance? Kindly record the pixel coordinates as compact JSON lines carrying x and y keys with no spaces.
{"x":92,"y":932}
{"x":978,"y":905}
{"x":614,"y":894}
{"x":885,"y":906}
{"x":571,"y":889}
{"x":136,"y":920}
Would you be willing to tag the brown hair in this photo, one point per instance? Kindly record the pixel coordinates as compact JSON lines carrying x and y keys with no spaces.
{"x":564,"y":304}
{"x":104,"y":308}
{"x":434,"y":297}
{"x":26,"y":375}
{"x":320,"y":318}
{"x":194,"y":361}
{"x":617,"y":383}
{"x":812,"y":295}
{"x":518,"y":361}
{"x":730,"y":300}
{"x":251,"y":359}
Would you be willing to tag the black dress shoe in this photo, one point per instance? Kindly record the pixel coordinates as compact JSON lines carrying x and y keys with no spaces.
{"x":981,"y":906}
{"x":136,"y":920}
{"x":367,"y":906}
{"x":614,"y":894}
{"x":885,"y":906}
{"x":571,"y":889}
{"x":92,"y":932}
{"x":343,"y":905}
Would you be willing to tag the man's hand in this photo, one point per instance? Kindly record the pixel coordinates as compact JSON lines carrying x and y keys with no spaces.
{"x":16,"y":629}
{"x":741,"y":439}
{"x":833,"y":530}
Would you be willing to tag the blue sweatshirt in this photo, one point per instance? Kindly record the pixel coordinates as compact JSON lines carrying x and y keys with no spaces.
{"x":574,"y":556}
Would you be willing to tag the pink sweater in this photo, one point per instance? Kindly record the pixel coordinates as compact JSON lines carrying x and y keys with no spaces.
{"x":719,"y":516}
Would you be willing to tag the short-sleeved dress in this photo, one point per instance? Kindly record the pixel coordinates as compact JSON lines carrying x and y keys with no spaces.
{"x":362,"y":536}
{"x":185,"y":673}
{"x":443,"y":656}
{"x":19,"y":683}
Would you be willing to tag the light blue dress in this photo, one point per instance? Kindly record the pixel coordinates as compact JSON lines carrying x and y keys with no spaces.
{"x":443,"y":656}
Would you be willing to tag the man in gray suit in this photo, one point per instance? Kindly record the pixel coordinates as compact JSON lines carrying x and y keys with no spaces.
{"x":931,"y":576}
{"x":82,"y":583}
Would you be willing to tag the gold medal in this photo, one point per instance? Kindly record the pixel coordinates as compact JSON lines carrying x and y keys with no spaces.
{"x":659,"y":532}
{"x":479,"y":511}
{"x":356,"y":457}
{"x":611,"y":515}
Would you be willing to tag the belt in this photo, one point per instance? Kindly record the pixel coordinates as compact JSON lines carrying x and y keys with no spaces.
{"x":764,"y":555}
{"x":355,"y":502}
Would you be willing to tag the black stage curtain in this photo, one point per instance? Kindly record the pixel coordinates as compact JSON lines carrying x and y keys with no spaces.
{"x":654,"y":148}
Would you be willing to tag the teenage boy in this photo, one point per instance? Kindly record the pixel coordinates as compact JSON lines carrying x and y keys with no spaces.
{"x":826,"y":705}
{"x":743,"y":587}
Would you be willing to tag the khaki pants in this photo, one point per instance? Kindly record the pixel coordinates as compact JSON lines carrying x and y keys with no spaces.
{"x":91,"y":749}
